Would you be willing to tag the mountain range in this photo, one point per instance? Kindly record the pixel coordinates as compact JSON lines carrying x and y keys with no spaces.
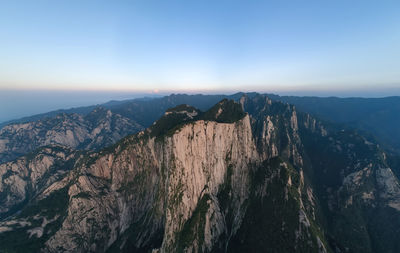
{"x":203,"y":173}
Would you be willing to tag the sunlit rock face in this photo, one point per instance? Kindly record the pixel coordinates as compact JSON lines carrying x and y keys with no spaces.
{"x":252,"y":176}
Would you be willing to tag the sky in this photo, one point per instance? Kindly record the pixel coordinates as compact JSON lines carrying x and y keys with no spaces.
{"x":337,"y":47}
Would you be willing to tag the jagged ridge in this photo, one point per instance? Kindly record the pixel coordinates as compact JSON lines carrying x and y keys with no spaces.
{"x":95,"y":130}
{"x":255,"y":184}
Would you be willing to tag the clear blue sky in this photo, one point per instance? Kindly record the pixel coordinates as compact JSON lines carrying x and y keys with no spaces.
{"x":200,"y":45}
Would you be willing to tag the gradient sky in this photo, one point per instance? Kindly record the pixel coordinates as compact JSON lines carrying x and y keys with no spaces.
{"x":200,"y":45}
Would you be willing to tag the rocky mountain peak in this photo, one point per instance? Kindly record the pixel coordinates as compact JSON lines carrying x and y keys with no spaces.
{"x":98,"y":114}
{"x":254,"y":176}
{"x":226,"y":111}
{"x":95,"y":130}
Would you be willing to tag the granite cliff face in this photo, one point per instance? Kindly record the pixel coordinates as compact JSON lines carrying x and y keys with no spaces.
{"x":95,"y":130}
{"x":268,"y":180}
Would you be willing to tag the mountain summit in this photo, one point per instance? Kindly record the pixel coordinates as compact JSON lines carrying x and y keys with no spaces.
{"x":248,"y":176}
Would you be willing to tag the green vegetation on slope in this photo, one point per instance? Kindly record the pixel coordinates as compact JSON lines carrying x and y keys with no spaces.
{"x":271,"y":222}
{"x":53,"y":208}
{"x":194,"y":227}
{"x":226,"y":111}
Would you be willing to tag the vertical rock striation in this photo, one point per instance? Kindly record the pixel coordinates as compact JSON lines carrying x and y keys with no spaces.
{"x":269,"y":180}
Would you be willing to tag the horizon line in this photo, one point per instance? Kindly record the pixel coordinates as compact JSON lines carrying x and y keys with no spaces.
{"x":339,"y":93}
